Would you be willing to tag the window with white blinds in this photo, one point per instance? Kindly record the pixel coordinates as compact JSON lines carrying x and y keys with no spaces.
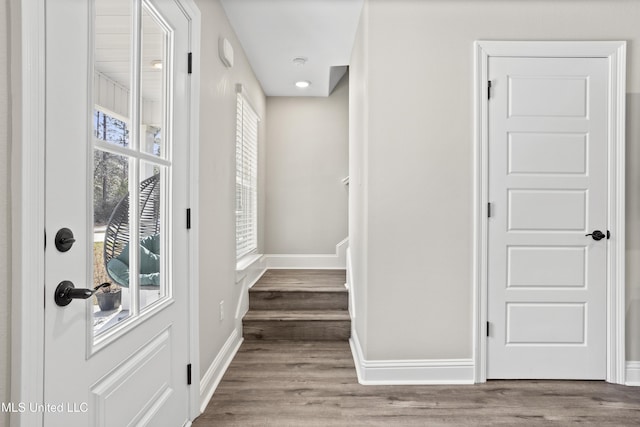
{"x":246,"y":177}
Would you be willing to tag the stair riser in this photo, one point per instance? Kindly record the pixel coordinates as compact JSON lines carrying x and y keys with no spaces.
{"x":298,"y":300}
{"x":297,"y":330}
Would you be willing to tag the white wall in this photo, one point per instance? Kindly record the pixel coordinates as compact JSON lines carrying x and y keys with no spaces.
{"x":306,"y":202}
{"x":358,"y":209}
{"x":217,"y":178}
{"x":419,"y":154}
{"x":633,"y":213}
{"x":5,"y":229}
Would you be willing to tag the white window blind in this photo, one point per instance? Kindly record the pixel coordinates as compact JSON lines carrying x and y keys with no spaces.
{"x":246,"y":177}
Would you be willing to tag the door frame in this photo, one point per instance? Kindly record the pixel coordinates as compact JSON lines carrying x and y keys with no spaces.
{"x":28,"y":215}
{"x":615,"y":52}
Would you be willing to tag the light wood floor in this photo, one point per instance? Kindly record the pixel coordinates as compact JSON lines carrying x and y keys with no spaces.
{"x":315,"y":384}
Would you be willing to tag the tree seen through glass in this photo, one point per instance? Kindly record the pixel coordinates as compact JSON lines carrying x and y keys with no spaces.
{"x":111,"y":171}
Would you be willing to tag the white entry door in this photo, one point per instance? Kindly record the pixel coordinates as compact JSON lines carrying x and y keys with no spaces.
{"x":117,"y":115}
{"x":548,"y":185}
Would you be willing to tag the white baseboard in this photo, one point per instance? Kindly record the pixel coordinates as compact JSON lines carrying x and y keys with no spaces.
{"x":633,"y":373}
{"x":337,"y":261}
{"x":213,"y":376}
{"x":409,"y":372}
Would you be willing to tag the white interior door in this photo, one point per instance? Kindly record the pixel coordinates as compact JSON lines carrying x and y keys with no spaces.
{"x":548,"y":189}
{"x":116,"y":176}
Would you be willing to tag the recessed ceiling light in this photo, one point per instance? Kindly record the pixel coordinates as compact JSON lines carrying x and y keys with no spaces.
{"x":157,"y":64}
{"x":303,"y":84}
{"x":300,"y":61}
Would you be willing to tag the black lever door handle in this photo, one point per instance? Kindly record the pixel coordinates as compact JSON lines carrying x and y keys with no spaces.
{"x":598,"y":235}
{"x":66,"y":291}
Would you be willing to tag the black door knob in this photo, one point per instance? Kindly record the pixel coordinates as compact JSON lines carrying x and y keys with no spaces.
{"x":66,"y":291}
{"x":598,"y":235}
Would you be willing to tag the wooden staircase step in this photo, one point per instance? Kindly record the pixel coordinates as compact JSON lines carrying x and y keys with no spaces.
{"x":297,"y":325}
{"x":303,"y":279}
{"x":298,"y":305}
{"x":297,"y":287}
{"x":291,"y":315}
{"x":277,"y":299}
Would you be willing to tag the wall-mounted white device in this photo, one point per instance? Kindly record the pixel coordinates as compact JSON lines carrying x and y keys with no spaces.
{"x":225,"y":51}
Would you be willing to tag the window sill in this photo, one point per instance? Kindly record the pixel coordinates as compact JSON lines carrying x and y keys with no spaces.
{"x":246,"y":261}
{"x":247,"y":266}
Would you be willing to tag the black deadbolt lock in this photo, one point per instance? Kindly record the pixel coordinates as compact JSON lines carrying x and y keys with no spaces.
{"x":64,"y":239}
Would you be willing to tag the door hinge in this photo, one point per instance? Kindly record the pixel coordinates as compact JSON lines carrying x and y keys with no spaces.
{"x":488,"y":210}
{"x":188,"y":218}
{"x":489,"y":89}
{"x":488,"y":325}
{"x":190,"y":63}
{"x":189,"y":374}
{"x":45,"y":239}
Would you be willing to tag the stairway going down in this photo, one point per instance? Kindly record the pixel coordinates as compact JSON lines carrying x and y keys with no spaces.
{"x":298,"y":305}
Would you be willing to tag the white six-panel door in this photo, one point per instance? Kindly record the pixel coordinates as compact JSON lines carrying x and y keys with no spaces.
{"x":547,"y":284}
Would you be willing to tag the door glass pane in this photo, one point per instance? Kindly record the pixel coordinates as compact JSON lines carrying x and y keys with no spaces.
{"x":130,"y":187}
{"x":152,"y":234}
{"x":112,"y":171}
{"x":107,"y":128}
{"x":111,"y":238}
{"x":152,"y":68}
{"x":112,"y":65}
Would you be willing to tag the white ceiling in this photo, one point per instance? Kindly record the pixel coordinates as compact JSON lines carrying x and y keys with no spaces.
{"x":274,"y":32}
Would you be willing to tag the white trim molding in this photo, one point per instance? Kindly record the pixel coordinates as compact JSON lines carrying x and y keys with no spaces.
{"x":192,"y":11}
{"x":248,"y":271}
{"x":337,"y":261}
{"x":215,"y":372}
{"x":27,"y":189}
{"x":615,"y":52}
{"x":350,"y":288}
{"x":409,"y":372}
{"x":633,"y":373}
{"x":248,"y":265}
